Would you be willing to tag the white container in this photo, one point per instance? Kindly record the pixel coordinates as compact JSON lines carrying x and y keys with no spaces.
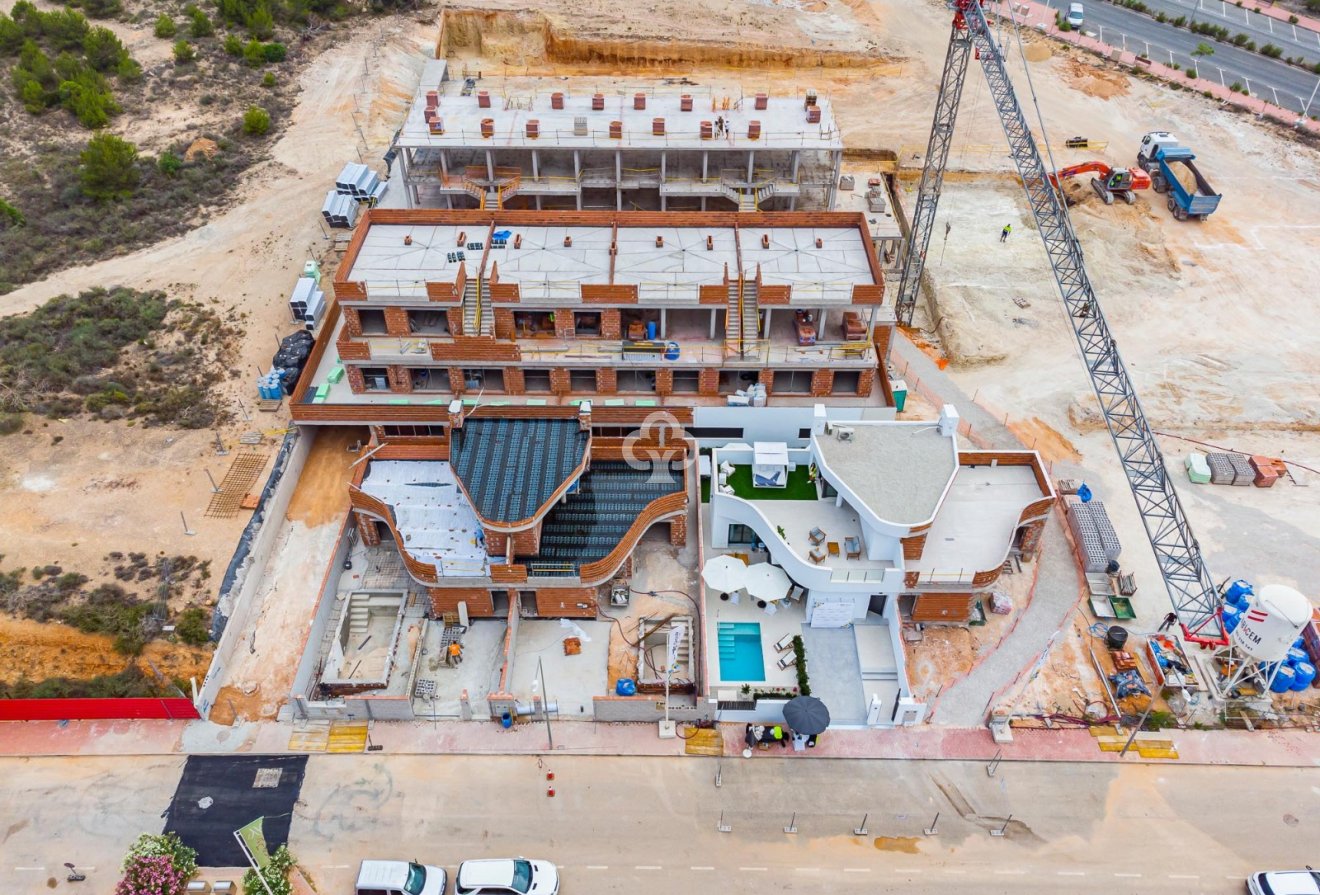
{"x":1271,"y":623}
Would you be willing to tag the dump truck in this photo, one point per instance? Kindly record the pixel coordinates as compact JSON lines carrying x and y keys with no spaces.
{"x":1173,"y":171}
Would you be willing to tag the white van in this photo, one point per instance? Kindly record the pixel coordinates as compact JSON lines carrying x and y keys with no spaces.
{"x":1075,"y":15}
{"x":399,"y":878}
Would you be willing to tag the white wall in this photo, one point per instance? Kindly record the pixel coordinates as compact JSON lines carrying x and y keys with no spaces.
{"x":775,"y":423}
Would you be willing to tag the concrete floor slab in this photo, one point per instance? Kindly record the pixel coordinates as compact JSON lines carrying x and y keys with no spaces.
{"x":570,"y":681}
{"x":835,"y":676}
{"x":478,"y":674}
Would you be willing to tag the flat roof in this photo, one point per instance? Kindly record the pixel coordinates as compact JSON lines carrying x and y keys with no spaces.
{"x":975,"y":525}
{"x":900,"y":471}
{"x":513,"y":102}
{"x":821,"y":258}
{"x":511,"y":467}
{"x":431,"y":512}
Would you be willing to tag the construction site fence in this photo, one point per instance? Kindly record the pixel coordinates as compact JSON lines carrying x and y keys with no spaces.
{"x":818,"y":138}
{"x":166,"y":708}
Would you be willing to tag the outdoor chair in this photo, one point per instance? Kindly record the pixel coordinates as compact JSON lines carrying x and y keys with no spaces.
{"x":784,"y":644}
{"x":852,"y":547}
{"x":816,"y":536}
{"x":787,"y":662}
{"x":771,"y":608}
{"x":817,"y":556}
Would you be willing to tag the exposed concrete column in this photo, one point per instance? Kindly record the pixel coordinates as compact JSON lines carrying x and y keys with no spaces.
{"x":490,"y":165}
{"x":664,"y":330}
{"x":444,"y":163}
{"x":536,"y":165}
{"x":577,"y":176}
{"x":662,"y":188}
{"x":705,"y":160}
{"x":538,"y":203}
{"x":751,"y":158}
{"x":820,"y":324}
{"x":792,"y":203}
{"x":618,"y":180}
{"x":797,"y":160}
{"x":409,"y":188}
{"x":836,"y":168}
{"x":765,"y":325}
{"x":713,"y":312}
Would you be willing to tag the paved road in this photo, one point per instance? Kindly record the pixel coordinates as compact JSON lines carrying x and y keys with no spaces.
{"x":1294,"y":40}
{"x":649,"y":825}
{"x":1272,"y":80}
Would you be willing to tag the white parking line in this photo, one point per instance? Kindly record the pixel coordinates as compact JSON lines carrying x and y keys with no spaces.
{"x":1183,"y":876}
{"x":29,"y":868}
{"x":1011,"y":872}
{"x":857,"y":870}
{"x":695,"y":867}
{"x":753,"y":869}
{"x":1134,"y":875}
{"x":598,"y":866}
{"x":1072,"y":873}
{"x":807,"y":869}
{"x":647,"y":867}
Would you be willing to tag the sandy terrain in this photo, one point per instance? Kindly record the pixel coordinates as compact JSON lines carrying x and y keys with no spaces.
{"x":37,"y":651}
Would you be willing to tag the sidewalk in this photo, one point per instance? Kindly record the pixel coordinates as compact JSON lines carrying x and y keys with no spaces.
{"x":86,"y":738}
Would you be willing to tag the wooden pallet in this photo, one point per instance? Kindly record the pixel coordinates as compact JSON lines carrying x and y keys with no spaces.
{"x":269,"y":405}
{"x":347,"y":736}
{"x":238,"y":481}
{"x":704,"y":741}
{"x":315,"y":737}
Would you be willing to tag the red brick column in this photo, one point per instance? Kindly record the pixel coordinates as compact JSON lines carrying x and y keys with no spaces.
{"x":678,"y":531}
{"x":514,"y":383}
{"x":456,"y":380}
{"x":708,"y":381}
{"x":503,"y":323}
{"x":607,"y":381}
{"x":400,"y":379}
{"x":367,"y":531}
{"x":611,"y":324}
{"x":1030,"y":541}
{"x":559,"y":381}
{"x":563,"y":323}
{"x":455,"y":318}
{"x":865,"y":383}
{"x":352,"y":322}
{"x":822,"y":383}
{"x":396,"y":322}
{"x":664,"y":381}
{"x":767,"y":378}
{"x":356,"y":381}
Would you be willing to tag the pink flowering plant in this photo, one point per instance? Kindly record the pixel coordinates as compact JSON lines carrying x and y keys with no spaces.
{"x":157,"y":865}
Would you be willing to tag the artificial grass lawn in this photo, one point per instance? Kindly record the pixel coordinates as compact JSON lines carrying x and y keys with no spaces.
{"x":800,"y":486}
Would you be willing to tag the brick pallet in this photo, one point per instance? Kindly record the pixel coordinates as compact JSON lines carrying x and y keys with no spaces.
{"x":1221,"y":469}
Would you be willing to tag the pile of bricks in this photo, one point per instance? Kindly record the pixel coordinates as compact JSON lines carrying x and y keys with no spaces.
{"x":1097,"y":542}
{"x":1232,"y":468}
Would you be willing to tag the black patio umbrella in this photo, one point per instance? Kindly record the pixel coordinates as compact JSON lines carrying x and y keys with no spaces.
{"x":807,"y":715}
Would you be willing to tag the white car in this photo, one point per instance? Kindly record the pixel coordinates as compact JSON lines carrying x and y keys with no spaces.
{"x":399,"y":878}
{"x":1075,"y":15}
{"x":506,"y":876}
{"x":1284,"y":882}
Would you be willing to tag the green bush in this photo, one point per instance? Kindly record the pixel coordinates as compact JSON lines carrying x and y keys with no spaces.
{"x":253,"y":53}
{"x":109,"y":609}
{"x":256,"y":121}
{"x":1203,"y":49}
{"x":199,"y":24}
{"x":192,"y":626}
{"x":1271,"y":51}
{"x":88,"y":97}
{"x":168,"y":845}
{"x":169,"y":163}
{"x":128,"y":69}
{"x":800,"y":657}
{"x":267,"y":81}
{"x":1180,"y":21}
{"x":108,"y":168}
{"x":165,"y":27}
{"x":130,"y":682}
{"x":233,"y":45}
{"x":1191,"y":72}
{"x":9,"y":424}
{"x":274,"y":52}
{"x":12,"y":217}
{"x":260,"y":23}
{"x":184,"y":53}
{"x":103,"y":49}
{"x":101,"y":9}
{"x":275,"y":875}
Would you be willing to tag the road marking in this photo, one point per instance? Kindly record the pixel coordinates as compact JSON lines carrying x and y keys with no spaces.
{"x":1011,"y":872}
{"x":31,"y":868}
{"x":908,"y":870}
{"x":1138,"y":875}
{"x":857,"y":870}
{"x":598,"y":866}
{"x":1183,"y":876}
{"x":753,"y":869}
{"x":807,"y":869}
{"x":647,"y":867}
{"x":1072,"y":873}
{"x":334,"y":866}
{"x":694,"y":867}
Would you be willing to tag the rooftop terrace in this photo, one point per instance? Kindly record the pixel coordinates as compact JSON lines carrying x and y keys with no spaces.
{"x":431,"y":512}
{"x":898,"y":472}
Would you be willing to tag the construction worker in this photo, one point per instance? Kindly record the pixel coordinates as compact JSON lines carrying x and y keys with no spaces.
{"x":1003,"y":234}
{"x":778,"y":733}
{"x":1169,"y":621}
{"x":455,"y":657}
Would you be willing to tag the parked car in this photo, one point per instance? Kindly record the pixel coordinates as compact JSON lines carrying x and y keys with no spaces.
{"x":1285,"y":882}
{"x":506,"y":876}
{"x":1075,"y":15}
{"x":399,"y":878}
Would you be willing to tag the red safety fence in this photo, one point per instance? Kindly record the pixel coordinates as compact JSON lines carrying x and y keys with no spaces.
{"x":173,"y":708}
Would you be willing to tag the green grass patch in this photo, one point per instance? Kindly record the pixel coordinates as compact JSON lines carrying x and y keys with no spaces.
{"x":799,"y":487}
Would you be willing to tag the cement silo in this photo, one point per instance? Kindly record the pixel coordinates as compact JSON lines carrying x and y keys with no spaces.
{"x":1269,"y":625}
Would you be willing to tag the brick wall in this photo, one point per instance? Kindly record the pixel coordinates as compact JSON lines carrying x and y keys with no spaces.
{"x":558,"y":377}
{"x":353,"y":350}
{"x":456,"y":380}
{"x":617,"y":294}
{"x":367,"y":530}
{"x":767,"y":378}
{"x":356,"y":381}
{"x":503,"y":323}
{"x":566,"y":602}
{"x":563,"y":323}
{"x":913,"y":546}
{"x":678,"y":531}
{"x":882,"y":336}
{"x":476,"y":349}
{"x":1030,"y":541}
{"x":396,"y":322}
{"x":514,"y":383}
{"x":942,"y":607}
{"x":647,"y":709}
{"x":708,"y":381}
{"x":866,"y":383}
{"x":352,"y":322}
{"x":400,"y":379}
{"x":607,"y":381}
{"x":611,"y":324}
{"x":455,"y":318}
{"x":525,"y":543}
{"x":480,"y":603}
{"x":822,"y":383}
{"x":664,"y":381}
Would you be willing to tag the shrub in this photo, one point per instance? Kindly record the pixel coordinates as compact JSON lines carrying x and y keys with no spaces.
{"x":275,"y":875}
{"x":182,"y":858}
{"x":151,"y":876}
{"x":1180,"y":21}
{"x":1191,"y":72}
{"x":233,"y":45}
{"x":108,"y":168}
{"x":1161,"y":17}
{"x":260,"y":23}
{"x":1237,"y":87}
{"x":198,"y":25}
{"x":1065,"y":25}
{"x":256,"y":121}
{"x":103,"y":49}
{"x":1203,"y":49}
{"x":9,"y":424}
{"x":1240,"y":39}
{"x":165,"y":27}
{"x":110,"y":609}
{"x":267,"y":81}
{"x":1293,"y":20}
{"x":101,"y":9}
{"x":15,"y":217}
{"x":274,"y":52}
{"x":169,"y":163}
{"x":800,"y":657}
{"x":1316,"y":68}
{"x":1271,"y":51}
{"x":192,"y":627}
{"x":184,"y":53}
{"x":253,"y":54}
{"x":128,"y":69}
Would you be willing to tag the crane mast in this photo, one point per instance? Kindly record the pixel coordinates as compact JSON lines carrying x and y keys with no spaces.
{"x":1191,"y":589}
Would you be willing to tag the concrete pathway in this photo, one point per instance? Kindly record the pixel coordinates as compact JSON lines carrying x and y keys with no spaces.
{"x":832,"y":667}
{"x":967,"y":703}
{"x":924,"y":377}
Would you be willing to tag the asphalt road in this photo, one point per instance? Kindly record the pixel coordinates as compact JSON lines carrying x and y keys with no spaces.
{"x":1293,"y":40}
{"x":649,"y":825}
{"x":1272,"y":80}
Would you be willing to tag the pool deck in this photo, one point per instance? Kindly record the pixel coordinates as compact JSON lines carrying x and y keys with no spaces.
{"x":788,"y":619}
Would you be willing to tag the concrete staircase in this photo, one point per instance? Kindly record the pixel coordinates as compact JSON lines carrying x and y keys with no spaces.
{"x":743,"y":324}
{"x":478,"y":316}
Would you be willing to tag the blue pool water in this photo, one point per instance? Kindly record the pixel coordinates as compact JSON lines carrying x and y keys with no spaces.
{"x":740,"y":651}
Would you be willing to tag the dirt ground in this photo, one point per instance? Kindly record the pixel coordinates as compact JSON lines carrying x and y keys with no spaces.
{"x":37,"y":651}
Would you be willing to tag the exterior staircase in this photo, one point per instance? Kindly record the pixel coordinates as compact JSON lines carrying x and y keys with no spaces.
{"x":748,"y":198}
{"x":478,"y":315}
{"x":743,"y":324}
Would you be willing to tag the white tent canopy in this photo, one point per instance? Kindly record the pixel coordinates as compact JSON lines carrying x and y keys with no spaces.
{"x":770,"y":464}
{"x":724,"y":573}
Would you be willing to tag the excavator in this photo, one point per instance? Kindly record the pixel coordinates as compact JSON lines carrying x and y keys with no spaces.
{"x":1121,"y":182}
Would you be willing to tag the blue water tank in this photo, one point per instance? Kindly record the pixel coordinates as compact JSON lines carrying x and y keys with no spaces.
{"x":651,"y":330}
{"x":1284,"y":678}
{"x":1296,"y":655}
{"x":1299,"y":643}
{"x":671,"y":351}
{"x":1236,"y":591}
{"x":1232,"y":615}
{"x":626,"y":686}
{"x":1303,"y":675}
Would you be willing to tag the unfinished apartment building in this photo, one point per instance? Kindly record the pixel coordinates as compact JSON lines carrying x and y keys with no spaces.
{"x":636,"y":309}
{"x":531,"y":143}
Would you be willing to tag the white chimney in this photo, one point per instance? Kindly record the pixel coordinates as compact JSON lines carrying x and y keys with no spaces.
{"x":948,"y":421}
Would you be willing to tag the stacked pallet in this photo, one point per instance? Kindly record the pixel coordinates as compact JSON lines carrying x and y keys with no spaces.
{"x":1093,"y":533}
{"x":1230,"y":468}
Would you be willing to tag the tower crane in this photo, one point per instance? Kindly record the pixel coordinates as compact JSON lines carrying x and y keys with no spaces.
{"x":1191,"y":590}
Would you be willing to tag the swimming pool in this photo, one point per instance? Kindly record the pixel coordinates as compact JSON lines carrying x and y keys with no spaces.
{"x":740,"y":651}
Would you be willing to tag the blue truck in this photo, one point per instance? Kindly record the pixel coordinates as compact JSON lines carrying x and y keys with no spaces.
{"x":1173,"y":171}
